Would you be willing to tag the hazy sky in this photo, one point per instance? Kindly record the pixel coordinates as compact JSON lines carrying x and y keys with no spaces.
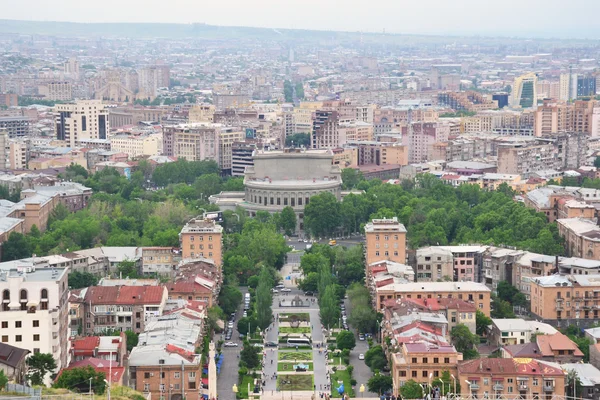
{"x":548,"y":18}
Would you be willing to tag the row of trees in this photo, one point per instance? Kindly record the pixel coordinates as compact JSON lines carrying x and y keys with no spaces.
{"x":362,"y":316}
{"x":435,"y":214}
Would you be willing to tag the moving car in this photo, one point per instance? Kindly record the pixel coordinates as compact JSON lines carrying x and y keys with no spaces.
{"x":230,"y":344}
{"x":271,"y":344}
{"x":286,"y":290}
{"x":361,"y":356}
{"x":361,"y":336}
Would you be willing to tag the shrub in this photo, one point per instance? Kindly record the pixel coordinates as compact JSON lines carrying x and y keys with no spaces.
{"x":350,"y":369}
{"x":243,"y":371}
{"x":352,"y":382}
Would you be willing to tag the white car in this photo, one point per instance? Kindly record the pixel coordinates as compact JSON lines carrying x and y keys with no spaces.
{"x":286,"y":290}
{"x":233,"y":344}
{"x":360,"y":356}
{"x":274,"y":290}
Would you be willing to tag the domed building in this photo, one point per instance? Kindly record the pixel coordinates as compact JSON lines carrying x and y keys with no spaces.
{"x":289,"y":177}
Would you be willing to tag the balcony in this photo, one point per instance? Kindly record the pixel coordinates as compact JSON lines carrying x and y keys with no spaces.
{"x":559,"y":299}
{"x":474,"y":386}
{"x":548,"y":388}
{"x":559,"y":307}
{"x":522,"y":386}
{"x":498,"y":386}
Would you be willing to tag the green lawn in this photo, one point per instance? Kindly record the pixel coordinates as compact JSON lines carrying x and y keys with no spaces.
{"x":243,"y":386}
{"x":288,"y":329}
{"x":294,"y":355}
{"x":289,"y":366}
{"x":295,"y":382}
{"x":341,"y":376}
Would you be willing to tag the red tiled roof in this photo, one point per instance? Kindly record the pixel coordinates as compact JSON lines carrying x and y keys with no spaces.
{"x":85,"y":345}
{"x":187,"y":287}
{"x":99,"y":366}
{"x":548,"y":344}
{"x":124,"y":295}
{"x":509,"y":366}
{"x":171,"y":348}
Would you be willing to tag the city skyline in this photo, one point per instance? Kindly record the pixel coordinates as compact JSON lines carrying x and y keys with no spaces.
{"x":509,"y":18}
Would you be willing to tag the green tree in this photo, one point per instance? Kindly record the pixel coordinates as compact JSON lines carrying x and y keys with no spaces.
{"x":312,"y":262}
{"x":127,"y":268}
{"x":573,"y":385}
{"x":411,"y":390}
{"x":597,"y":162}
{"x":230,"y":299}
{"x":3,"y":380}
{"x":245,"y":323}
{"x":80,"y":280}
{"x":322,"y":215}
{"x":16,"y":247}
{"x":380,"y":383}
{"x":287,"y":220}
{"x":39,"y":365}
{"x":215,"y":314}
{"x":79,"y":380}
{"x":345,"y":340}
{"x":501,"y":308}
{"x":207,"y":185}
{"x":482,"y":321}
{"x":310,"y":283}
{"x":132,"y":339}
{"x":329,"y":308}
{"x":264,"y":299}
{"x":351,"y":177}
{"x":375,"y":358}
{"x":463,"y":339}
{"x":249,"y":355}
{"x":298,"y":140}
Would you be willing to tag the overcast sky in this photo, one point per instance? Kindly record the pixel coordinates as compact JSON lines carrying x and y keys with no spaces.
{"x":547,"y":18}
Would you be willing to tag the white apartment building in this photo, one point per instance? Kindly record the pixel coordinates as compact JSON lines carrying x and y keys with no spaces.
{"x":84,"y":119}
{"x":35,"y":311}
{"x":226,"y":139}
{"x":135,"y":146}
{"x":17,"y":153}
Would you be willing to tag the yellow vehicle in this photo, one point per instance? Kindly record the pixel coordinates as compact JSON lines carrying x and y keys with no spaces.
{"x":332,"y":243}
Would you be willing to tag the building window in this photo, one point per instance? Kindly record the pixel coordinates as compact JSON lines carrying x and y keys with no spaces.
{"x":4,"y":338}
{"x":414,"y":374}
{"x":191,"y":375}
{"x":376,"y":237}
{"x":425,"y":374}
{"x":36,"y":351}
{"x":36,"y":338}
{"x":446,"y":360}
{"x":18,"y":338}
{"x":285,"y":202}
{"x":146,"y":387}
{"x":4,"y":324}
{"x":192,"y":385}
{"x":146,"y":375}
{"x":376,"y":253}
{"x":18,"y":324}
{"x":176,"y":375}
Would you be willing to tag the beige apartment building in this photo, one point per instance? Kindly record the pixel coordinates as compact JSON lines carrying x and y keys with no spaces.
{"x":385,"y":240}
{"x":563,"y":300}
{"x":137,"y":146}
{"x":525,"y":158}
{"x":477,"y":293}
{"x":201,"y":113}
{"x":582,"y":237}
{"x":60,"y":91}
{"x":194,"y":142}
{"x":202,"y":238}
{"x":227,"y":137}
{"x":552,"y":117}
{"x":355,"y":131}
{"x":511,"y":379}
{"x":419,"y":361}
{"x":84,"y":119}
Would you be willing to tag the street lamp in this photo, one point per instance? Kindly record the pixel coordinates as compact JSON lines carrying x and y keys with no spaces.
{"x":454,"y":378}
{"x":440,"y":379}
{"x":362,"y":390}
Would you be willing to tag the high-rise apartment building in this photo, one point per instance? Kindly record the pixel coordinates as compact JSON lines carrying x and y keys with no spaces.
{"x":35,"y":311}
{"x":227,"y":137}
{"x":60,"y":91}
{"x":553,"y":117}
{"x":420,"y":137}
{"x":385,"y":240}
{"x":16,"y":126}
{"x":84,"y":119}
{"x":194,"y":142}
{"x":241,"y":157}
{"x":202,"y":238}
{"x":326,"y":130}
{"x":524,"y":91}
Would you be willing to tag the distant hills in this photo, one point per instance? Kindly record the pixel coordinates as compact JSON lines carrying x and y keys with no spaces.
{"x":213,"y":32}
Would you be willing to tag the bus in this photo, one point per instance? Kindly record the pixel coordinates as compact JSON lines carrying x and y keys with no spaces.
{"x":333,"y":242}
{"x":298,"y":342}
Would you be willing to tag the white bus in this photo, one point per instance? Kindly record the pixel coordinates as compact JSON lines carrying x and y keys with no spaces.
{"x":298,"y":342}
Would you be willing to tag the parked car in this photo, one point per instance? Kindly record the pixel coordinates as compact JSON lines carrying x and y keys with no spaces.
{"x":230,"y":344}
{"x":286,"y":290}
{"x":271,"y":344}
{"x":274,"y":291}
{"x":361,"y":336}
{"x":361,"y":356}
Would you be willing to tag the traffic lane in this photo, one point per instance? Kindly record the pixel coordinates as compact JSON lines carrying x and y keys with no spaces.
{"x":229,"y":376}
{"x":362,"y":373}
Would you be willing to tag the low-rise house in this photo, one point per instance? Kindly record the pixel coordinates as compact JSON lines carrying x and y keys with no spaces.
{"x":160,"y":260}
{"x":121,"y":307}
{"x":516,"y":331}
{"x":13,"y":362}
{"x":554,"y":348}
{"x":589,"y":376}
{"x":511,"y":378}
{"x":110,"y":348}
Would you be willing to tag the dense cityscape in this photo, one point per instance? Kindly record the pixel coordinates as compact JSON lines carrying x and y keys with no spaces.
{"x":192,"y":211}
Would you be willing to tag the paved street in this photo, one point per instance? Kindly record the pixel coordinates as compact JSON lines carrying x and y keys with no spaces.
{"x":229,"y":369}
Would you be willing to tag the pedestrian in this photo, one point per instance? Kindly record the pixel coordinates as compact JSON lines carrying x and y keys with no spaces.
{"x":271,"y":362}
